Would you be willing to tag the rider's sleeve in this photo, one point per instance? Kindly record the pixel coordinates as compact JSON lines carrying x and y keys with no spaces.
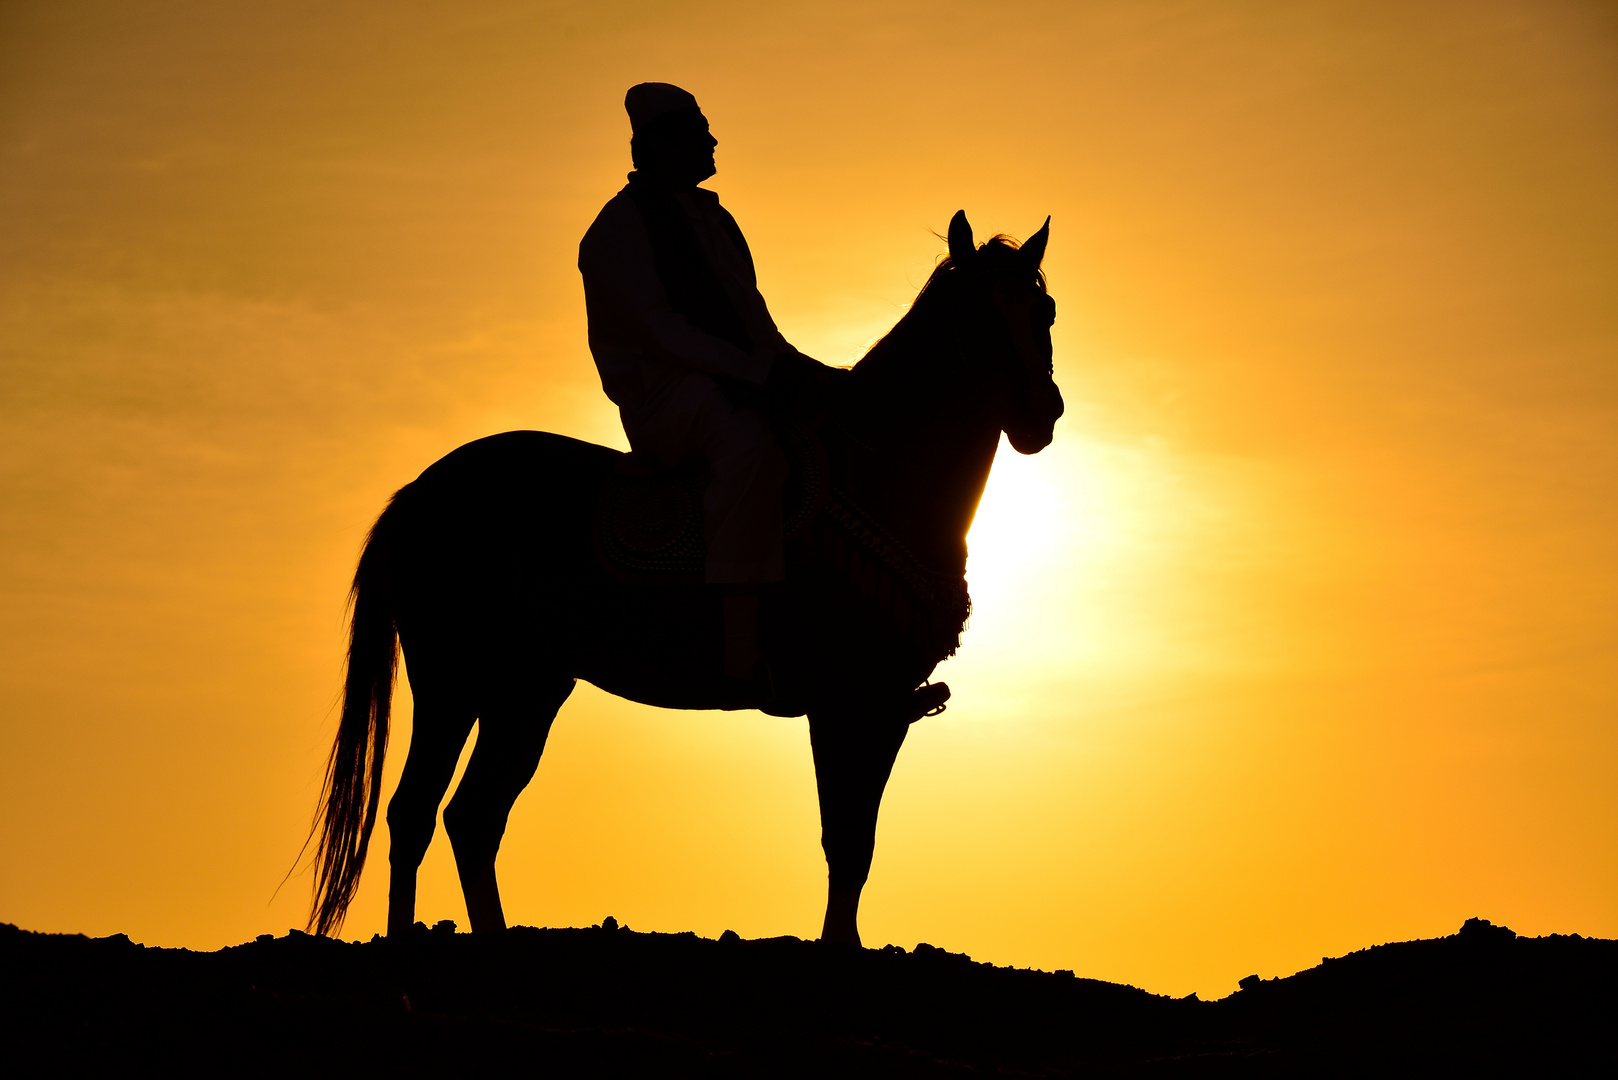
{"x":620,"y":280}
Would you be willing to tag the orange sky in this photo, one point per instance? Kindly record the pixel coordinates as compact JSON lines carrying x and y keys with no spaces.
{"x":1298,"y":639}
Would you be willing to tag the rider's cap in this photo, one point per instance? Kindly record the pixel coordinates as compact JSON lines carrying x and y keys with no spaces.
{"x":649,"y":100}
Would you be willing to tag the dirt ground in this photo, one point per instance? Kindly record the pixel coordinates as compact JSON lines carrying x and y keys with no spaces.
{"x":607,"y":1001}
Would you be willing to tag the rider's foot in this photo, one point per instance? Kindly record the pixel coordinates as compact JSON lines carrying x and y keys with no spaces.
{"x":777,"y":698}
{"x":744,"y":660}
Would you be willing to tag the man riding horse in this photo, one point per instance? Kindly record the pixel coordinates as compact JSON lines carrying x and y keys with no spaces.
{"x":489,"y":575}
{"x":684,"y":341}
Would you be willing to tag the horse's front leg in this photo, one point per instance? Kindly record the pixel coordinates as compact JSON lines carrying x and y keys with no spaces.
{"x":854,"y":751}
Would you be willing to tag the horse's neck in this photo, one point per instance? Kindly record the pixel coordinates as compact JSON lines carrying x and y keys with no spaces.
{"x":922,"y":463}
{"x":939,"y":482}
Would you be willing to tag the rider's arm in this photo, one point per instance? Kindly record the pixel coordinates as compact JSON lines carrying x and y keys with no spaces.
{"x":620,"y":279}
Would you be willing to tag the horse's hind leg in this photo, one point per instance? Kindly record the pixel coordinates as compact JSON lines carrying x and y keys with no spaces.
{"x":511,"y":738}
{"x":854,"y":751}
{"x":438,"y":732}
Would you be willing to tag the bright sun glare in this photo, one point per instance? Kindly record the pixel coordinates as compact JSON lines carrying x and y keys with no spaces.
{"x":1054,"y":513}
{"x":1020,"y":523}
{"x":1065,"y":546}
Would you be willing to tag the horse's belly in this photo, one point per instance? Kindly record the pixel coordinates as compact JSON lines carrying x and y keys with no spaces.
{"x":657,"y":646}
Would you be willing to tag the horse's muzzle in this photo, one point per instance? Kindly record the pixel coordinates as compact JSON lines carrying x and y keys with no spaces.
{"x":1034,"y":436}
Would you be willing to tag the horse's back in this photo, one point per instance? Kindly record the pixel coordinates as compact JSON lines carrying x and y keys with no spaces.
{"x":521,"y":461}
{"x":497,"y":526}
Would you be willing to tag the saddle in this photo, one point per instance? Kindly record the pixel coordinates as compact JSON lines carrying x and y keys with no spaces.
{"x":648,"y":530}
{"x":648,"y":524}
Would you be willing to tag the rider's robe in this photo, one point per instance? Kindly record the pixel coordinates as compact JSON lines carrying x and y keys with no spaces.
{"x":659,"y":366}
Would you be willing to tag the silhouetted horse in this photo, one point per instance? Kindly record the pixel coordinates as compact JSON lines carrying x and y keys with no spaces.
{"x":485,"y":570}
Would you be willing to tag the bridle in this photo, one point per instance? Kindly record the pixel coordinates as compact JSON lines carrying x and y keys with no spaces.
{"x":1026,"y":412}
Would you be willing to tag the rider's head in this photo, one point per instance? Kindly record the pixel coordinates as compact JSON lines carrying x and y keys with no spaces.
{"x":671,"y":142}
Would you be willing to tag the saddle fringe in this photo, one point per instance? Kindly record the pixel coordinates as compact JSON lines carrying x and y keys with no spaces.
{"x":926,"y":606}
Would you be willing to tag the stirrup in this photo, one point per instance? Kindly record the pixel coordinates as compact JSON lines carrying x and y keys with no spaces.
{"x":925,"y":700}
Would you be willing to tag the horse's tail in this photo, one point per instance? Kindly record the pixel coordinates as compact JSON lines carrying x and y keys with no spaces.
{"x":353,"y":786}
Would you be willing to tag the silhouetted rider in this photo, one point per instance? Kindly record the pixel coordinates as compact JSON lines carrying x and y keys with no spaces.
{"x":680,"y":335}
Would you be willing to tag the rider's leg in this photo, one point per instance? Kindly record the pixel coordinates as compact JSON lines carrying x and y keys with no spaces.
{"x":511,"y":739}
{"x":742,"y":525}
{"x":438,"y":731}
{"x":854,"y":752}
{"x":742,"y":650}
{"x":742,"y":510}
{"x":743,"y":505}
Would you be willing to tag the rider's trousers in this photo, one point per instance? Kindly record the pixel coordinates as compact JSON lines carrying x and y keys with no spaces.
{"x":743,"y":507}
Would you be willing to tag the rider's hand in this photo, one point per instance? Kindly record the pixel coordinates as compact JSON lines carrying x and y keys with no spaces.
{"x":801,"y":383}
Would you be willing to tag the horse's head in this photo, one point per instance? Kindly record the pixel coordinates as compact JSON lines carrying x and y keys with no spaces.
{"x":970,"y":359}
{"x":1006,"y":314}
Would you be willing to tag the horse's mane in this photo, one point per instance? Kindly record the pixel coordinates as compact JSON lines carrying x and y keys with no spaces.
{"x":942,"y":287}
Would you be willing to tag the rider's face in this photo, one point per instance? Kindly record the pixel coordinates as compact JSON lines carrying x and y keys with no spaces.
{"x":679,"y":150}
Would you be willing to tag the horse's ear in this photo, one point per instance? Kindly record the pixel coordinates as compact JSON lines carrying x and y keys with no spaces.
{"x":960,"y":239}
{"x":1034,"y":251}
